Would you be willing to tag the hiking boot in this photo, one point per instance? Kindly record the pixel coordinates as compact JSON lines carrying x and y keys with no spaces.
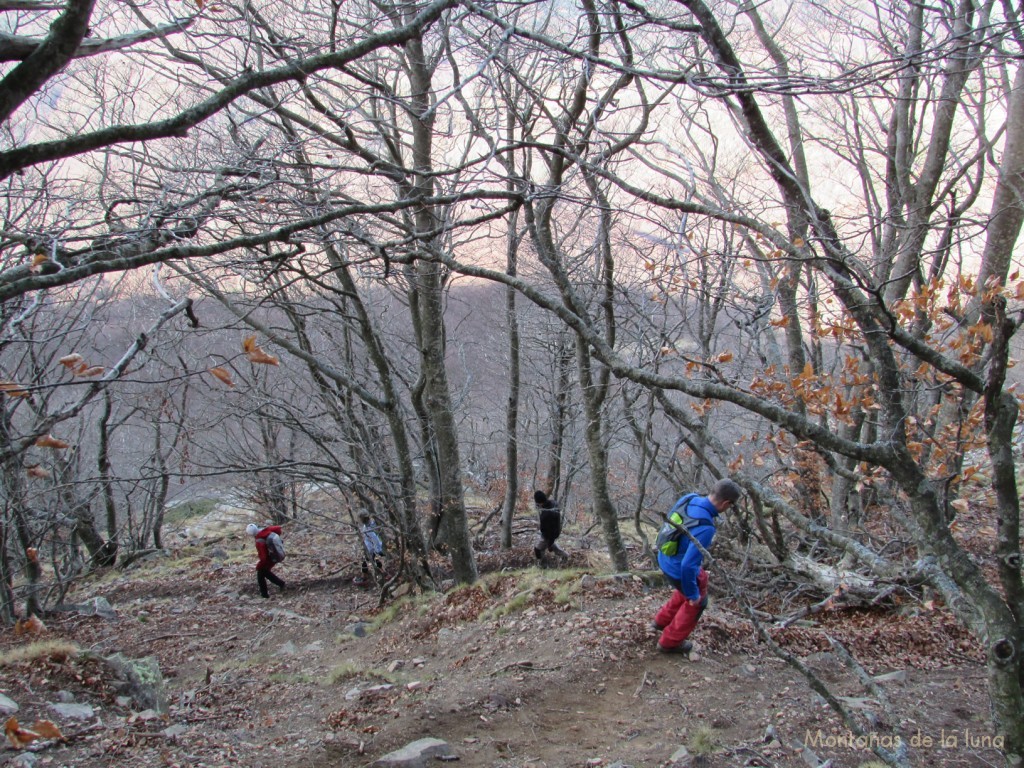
{"x":657,"y":627}
{"x":683,"y":648}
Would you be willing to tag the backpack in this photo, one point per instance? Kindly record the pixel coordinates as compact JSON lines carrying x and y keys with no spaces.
{"x":676,"y":522}
{"x":275,"y":548}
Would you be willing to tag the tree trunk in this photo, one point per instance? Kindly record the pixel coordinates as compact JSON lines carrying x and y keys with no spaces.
{"x":429,"y":275}
{"x":559,"y":420}
{"x":512,"y":407}
{"x":411,"y":532}
{"x":597,"y":453}
{"x":106,"y":484}
{"x":8,"y":610}
{"x":453,"y":526}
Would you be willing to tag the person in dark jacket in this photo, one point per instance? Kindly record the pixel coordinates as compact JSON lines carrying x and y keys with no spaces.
{"x":684,"y":570}
{"x":550,"y":526}
{"x":264,"y":566}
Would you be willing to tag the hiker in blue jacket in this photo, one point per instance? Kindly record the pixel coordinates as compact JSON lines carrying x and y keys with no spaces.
{"x":684,"y":569}
{"x":373,"y":549}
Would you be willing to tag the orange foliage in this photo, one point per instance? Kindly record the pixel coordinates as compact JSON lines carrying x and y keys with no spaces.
{"x":49,"y":441}
{"x":33,"y":625}
{"x":20,"y":737}
{"x":223,"y":374}
{"x":255,"y":354}
{"x":11,"y":389}
{"x":79,"y":367}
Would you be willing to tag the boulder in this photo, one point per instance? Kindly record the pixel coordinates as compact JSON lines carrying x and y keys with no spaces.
{"x":144,"y":682}
{"x":94,"y":606}
{"x":681,"y":757}
{"x":72,"y":711}
{"x":7,"y":706}
{"x":418,"y":754}
{"x":357,"y":629}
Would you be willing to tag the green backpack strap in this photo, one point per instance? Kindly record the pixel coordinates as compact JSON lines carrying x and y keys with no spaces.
{"x":685,"y":520}
{"x":679,"y":510}
{"x":672,"y":532}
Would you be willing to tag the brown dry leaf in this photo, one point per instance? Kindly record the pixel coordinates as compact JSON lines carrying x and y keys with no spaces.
{"x":33,"y":555}
{"x":255,"y":354}
{"x":70,"y":361}
{"x":37,"y":471}
{"x":261,"y":357}
{"x":47,"y":730}
{"x":95,"y":370}
{"x":33,"y":625}
{"x":49,"y":441}
{"x":18,"y":736}
{"x":223,"y":374}
{"x":11,"y":389}
{"x":984,"y":332}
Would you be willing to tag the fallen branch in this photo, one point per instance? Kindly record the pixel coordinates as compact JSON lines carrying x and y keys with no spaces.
{"x":829,"y":603}
{"x":528,"y":666}
{"x":897,"y":758}
{"x":643,"y":682}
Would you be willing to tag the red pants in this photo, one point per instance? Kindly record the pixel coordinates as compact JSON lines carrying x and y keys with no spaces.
{"x":679,"y":616}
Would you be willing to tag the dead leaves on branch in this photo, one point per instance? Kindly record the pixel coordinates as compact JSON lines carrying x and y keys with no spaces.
{"x":80,"y":367}
{"x":223,"y":374}
{"x":255,"y":354}
{"x":74,"y":362}
{"x":49,"y":441}
{"x":12,"y":389}
{"x":38,"y":471}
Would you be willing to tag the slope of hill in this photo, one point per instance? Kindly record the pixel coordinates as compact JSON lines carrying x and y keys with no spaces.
{"x":530,"y":667}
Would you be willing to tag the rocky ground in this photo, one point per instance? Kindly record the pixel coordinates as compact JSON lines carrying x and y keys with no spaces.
{"x":530,"y":667}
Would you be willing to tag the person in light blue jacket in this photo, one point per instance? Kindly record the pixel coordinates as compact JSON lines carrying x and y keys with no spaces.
{"x":373,"y":549}
{"x":684,"y":570}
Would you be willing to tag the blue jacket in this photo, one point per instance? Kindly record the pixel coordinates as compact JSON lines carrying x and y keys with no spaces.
{"x":371,"y":540}
{"x":686,"y":563}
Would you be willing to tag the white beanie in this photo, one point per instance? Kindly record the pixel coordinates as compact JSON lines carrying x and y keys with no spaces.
{"x":252,"y":529}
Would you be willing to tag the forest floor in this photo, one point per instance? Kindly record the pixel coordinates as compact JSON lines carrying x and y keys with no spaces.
{"x":529,"y":668}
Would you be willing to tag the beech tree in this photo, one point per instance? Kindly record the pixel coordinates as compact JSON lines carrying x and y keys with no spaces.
{"x":788,"y":235}
{"x":893,"y":305}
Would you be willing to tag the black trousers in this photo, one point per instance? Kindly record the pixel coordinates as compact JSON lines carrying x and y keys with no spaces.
{"x":263,"y":575}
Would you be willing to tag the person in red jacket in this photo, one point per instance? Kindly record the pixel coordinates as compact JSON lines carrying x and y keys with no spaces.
{"x":264,"y":565}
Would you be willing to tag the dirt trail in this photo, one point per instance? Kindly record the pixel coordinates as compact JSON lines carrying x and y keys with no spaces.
{"x":530,"y":668}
